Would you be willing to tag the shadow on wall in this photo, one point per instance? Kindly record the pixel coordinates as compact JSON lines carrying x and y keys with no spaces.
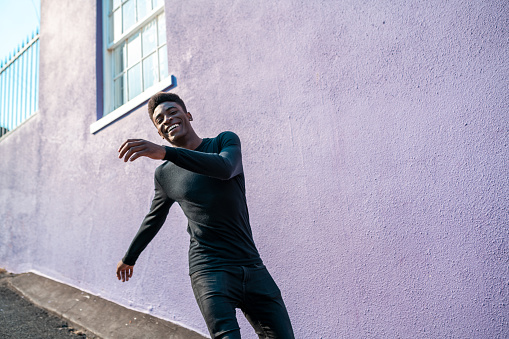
{"x":3,"y":131}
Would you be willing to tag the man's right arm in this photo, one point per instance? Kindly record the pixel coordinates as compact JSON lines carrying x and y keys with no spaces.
{"x":150,"y":226}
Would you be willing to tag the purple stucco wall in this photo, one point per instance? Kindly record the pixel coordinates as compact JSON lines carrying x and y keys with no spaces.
{"x":375,"y":141}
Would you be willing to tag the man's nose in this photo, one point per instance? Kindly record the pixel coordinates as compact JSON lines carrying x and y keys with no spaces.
{"x":167,"y":119}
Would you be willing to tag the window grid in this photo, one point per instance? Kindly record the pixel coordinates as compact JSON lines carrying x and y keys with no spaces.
{"x":130,"y":78}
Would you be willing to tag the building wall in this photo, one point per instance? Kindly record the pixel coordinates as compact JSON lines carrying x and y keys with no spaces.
{"x":375,"y":147}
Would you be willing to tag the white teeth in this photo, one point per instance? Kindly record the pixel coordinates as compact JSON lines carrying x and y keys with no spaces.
{"x":172,"y":127}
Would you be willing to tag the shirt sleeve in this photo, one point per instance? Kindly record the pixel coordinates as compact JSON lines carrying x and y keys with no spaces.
{"x":151,"y":224}
{"x":223,"y":165}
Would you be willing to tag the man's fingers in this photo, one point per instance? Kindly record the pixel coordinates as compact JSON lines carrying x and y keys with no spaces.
{"x":128,"y":274}
{"x":132,"y":149}
{"x":127,"y":141}
{"x":124,"y":273}
{"x":134,"y":152}
{"x":137,"y":155}
{"x":123,"y":145}
{"x":128,"y":145}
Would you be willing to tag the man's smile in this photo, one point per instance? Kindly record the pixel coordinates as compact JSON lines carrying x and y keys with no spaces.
{"x":172,"y":127}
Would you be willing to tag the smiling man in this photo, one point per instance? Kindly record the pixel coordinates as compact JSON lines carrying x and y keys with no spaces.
{"x":205,"y":177}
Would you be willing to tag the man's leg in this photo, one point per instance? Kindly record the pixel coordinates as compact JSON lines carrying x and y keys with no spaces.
{"x":264,"y":307}
{"x":217,"y":296}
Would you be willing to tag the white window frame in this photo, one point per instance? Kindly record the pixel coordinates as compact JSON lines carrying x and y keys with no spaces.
{"x":110,"y":115}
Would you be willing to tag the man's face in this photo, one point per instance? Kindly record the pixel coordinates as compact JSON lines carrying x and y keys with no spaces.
{"x":171,"y":121}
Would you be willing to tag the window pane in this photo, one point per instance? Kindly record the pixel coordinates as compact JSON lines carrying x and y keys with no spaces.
{"x":133,"y":49}
{"x":134,"y":81}
{"x":149,"y":38}
{"x":128,"y":12}
{"x":115,"y":25}
{"x":114,"y":4}
{"x":119,"y":60}
{"x":140,"y":57}
{"x":163,"y":63}
{"x":150,"y":72}
{"x":161,"y":29}
{"x":144,"y":7}
{"x":119,"y":89}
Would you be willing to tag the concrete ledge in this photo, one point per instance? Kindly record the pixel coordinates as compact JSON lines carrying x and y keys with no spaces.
{"x":100,"y":317}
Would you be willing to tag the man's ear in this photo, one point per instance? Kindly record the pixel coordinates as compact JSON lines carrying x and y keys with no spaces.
{"x":189,"y":116}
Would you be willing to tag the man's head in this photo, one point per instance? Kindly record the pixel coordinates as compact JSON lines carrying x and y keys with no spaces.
{"x":161,"y":97}
{"x":169,"y":115}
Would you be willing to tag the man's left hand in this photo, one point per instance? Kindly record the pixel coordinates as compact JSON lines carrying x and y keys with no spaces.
{"x":124,"y":271}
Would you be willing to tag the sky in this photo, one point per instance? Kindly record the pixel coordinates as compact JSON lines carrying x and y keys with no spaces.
{"x":18,"y":19}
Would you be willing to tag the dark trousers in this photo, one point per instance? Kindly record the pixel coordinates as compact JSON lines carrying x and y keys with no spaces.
{"x":250,"y":288}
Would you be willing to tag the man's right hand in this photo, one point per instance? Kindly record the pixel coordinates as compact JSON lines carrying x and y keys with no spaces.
{"x":132,"y":149}
{"x":124,"y":271}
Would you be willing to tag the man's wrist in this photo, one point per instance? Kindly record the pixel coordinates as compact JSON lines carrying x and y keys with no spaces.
{"x":162,"y":154}
{"x":129,"y":261}
{"x":171,"y":153}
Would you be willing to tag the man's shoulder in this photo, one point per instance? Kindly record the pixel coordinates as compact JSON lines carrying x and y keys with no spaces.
{"x":228,"y":136}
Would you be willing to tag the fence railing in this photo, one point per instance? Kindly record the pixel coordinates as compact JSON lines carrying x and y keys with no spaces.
{"x":19,"y":84}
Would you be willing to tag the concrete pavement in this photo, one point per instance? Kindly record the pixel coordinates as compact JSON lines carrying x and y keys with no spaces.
{"x":20,"y":319}
{"x":96,"y":317}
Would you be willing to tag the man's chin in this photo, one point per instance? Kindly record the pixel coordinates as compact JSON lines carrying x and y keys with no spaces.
{"x":171,"y":139}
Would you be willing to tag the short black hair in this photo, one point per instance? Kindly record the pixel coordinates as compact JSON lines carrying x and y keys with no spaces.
{"x":161,"y":97}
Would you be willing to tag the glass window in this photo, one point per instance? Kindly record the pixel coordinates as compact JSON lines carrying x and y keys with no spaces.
{"x":128,"y":15}
{"x":119,"y":84}
{"x":149,"y":36}
{"x":116,"y":25}
{"x":143,"y":7}
{"x":163,"y":62}
{"x":150,"y":71}
{"x":119,"y":61}
{"x":134,"y":81}
{"x":135,"y":51}
{"x":161,"y":29}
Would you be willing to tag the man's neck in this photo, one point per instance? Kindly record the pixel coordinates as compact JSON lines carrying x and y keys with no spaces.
{"x":191,"y":142}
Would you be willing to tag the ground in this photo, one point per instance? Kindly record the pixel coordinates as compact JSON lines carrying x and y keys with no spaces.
{"x":20,"y":319}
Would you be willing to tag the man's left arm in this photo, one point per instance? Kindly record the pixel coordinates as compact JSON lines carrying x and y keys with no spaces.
{"x":223,"y":165}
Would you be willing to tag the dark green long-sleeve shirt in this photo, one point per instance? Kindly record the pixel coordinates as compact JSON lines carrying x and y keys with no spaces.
{"x":208,"y":184}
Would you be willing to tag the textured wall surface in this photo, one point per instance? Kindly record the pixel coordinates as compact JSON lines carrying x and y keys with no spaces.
{"x":375,"y":146}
